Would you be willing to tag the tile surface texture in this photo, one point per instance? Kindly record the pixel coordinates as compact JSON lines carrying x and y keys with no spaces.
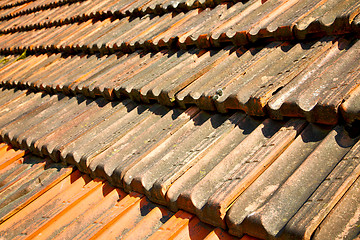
{"x":152,"y":119}
{"x":46,"y":200}
{"x":316,"y":80}
{"x":110,"y":25}
{"x":230,"y":170}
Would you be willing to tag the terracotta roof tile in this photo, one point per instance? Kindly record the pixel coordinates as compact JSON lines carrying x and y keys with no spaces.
{"x":97,"y":85}
{"x":343,"y":220}
{"x":23,"y":180}
{"x":299,"y":217}
{"x":12,"y":3}
{"x":238,"y":23}
{"x":350,"y":108}
{"x":26,"y":7}
{"x":309,"y":80}
{"x":47,"y":200}
{"x":189,"y":160}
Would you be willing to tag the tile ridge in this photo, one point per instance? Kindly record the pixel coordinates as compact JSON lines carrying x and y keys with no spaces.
{"x":37,"y":8}
{"x":339,"y":26}
{"x":174,"y":44}
{"x":267,"y":100}
{"x":58,"y":185}
{"x":276,"y":138}
{"x":15,"y":4}
{"x":139,"y":11}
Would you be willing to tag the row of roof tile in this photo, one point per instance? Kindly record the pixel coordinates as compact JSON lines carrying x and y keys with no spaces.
{"x":46,"y":200}
{"x":86,"y":8}
{"x":30,"y":6}
{"x":240,"y":24}
{"x":263,"y":178}
{"x":315,"y":80}
{"x":13,"y":3}
{"x":287,"y":179}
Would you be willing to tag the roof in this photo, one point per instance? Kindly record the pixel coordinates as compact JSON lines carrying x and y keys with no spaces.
{"x":244,"y":114}
{"x":313,"y":80}
{"x":227,"y":169}
{"x":43,"y":199}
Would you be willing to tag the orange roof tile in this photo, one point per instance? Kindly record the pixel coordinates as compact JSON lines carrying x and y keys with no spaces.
{"x":245,"y":114}
{"x":215,"y":166}
{"x":317,"y":80}
{"x":73,"y":206}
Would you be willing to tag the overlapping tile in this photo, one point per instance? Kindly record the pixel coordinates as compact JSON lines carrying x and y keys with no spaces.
{"x":222,"y":179}
{"x":24,"y":178}
{"x":212,"y":165}
{"x":58,"y":202}
{"x":229,"y":169}
{"x":12,"y":3}
{"x":320,"y":98}
{"x":343,"y":220}
{"x":50,"y":13}
{"x":326,"y":171}
{"x":238,"y":23}
{"x":315,"y":80}
{"x":350,"y":109}
{"x":28,"y":7}
{"x":266,"y":185}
